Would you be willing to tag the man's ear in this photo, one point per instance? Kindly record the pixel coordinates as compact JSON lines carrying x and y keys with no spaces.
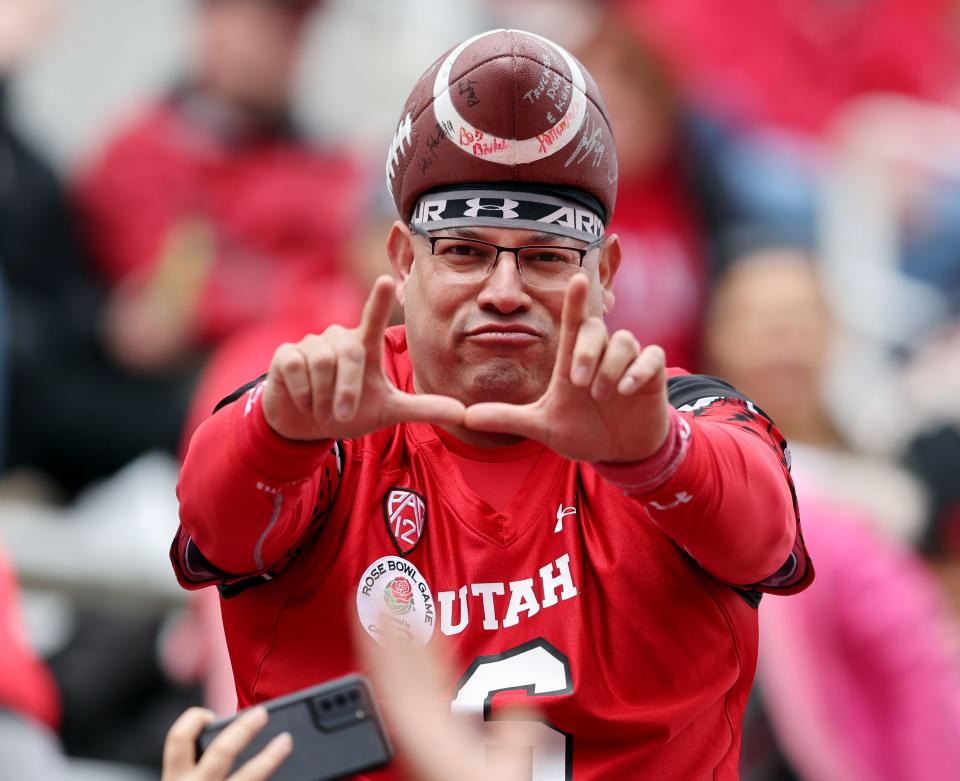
{"x":400,"y":252}
{"x":611,"y":253}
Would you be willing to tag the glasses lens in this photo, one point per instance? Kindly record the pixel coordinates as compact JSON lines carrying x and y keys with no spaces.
{"x":472,"y":261}
{"x":469,"y":260}
{"x":549,"y":266}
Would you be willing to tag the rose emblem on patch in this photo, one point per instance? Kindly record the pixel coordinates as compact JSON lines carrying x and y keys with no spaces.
{"x":393,"y":591}
{"x":398,"y":594}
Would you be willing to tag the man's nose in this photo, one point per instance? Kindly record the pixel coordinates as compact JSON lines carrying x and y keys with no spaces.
{"x":504,"y":290}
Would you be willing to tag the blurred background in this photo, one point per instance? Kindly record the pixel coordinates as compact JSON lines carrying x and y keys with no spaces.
{"x":184,"y":184}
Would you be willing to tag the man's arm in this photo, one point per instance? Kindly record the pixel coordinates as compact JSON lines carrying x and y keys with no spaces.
{"x":717,"y":483}
{"x":249,"y":497}
{"x":263,"y":471}
{"x":720,"y":487}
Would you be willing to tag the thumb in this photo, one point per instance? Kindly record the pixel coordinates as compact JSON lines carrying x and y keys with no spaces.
{"x":499,"y":418}
{"x":400,"y":407}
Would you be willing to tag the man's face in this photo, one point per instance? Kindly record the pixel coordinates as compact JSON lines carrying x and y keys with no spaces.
{"x":493,"y":339}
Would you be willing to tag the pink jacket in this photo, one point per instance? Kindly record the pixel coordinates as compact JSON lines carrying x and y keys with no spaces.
{"x":860,"y":673}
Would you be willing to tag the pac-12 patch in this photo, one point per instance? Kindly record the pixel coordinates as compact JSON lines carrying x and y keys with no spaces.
{"x":393,"y":590}
{"x":405,"y":512}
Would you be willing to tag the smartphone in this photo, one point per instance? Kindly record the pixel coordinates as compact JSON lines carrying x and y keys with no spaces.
{"x":336,"y":727}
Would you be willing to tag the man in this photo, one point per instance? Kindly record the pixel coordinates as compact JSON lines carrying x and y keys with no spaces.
{"x":584,"y":536}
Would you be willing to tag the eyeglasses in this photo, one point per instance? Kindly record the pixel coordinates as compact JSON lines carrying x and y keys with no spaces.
{"x":472,"y":260}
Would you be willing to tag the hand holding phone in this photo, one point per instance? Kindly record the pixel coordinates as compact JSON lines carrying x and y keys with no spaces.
{"x":336,"y":731}
{"x":180,"y":756}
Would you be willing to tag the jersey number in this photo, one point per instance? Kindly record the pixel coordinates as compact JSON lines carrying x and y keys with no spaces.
{"x":537,"y":668}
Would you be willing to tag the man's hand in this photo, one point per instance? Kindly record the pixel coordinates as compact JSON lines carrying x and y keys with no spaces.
{"x":413,"y":687}
{"x":333,"y":386}
{"x":607,"y":398}
{"x":180,"y":753}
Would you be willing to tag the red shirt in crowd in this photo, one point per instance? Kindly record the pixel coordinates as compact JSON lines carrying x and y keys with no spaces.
{"x":661,"y":285}
{"x":278,"y":212}
{"x":593,"y":606}
{"x":793,"y":63}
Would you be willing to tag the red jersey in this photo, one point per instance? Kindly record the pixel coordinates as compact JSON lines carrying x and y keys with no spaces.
{"x":574,"y":599}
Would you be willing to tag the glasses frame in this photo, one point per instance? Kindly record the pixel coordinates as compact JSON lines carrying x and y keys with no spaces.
{"x":515,"y":251}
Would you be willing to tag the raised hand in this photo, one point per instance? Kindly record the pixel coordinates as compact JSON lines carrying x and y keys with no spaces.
{"x":413,"y":685}
{"x":607,"y":398}
{"x":333,"y":386}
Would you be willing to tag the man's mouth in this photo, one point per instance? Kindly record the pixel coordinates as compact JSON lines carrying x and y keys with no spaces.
{"x":503,"y":334}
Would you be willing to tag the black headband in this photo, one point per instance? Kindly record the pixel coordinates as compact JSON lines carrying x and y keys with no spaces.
{"x":512,"y":206}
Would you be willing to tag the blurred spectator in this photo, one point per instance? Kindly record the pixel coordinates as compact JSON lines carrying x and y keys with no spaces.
{"x":858,"y":676}
{"x":210,"y":212}
{"x":221,"y":231}
{"x":44,"y":297}
{"x":64,"y":394}
{"x":210,"y":217}
{"x":691,"y":190}
{"x":797,"y":61}
{"x":891,"y":225}
{"x":20,"y":27}
{"x":682,"y":208}
{"x":662,"y":285}
{"x":769,"y":331}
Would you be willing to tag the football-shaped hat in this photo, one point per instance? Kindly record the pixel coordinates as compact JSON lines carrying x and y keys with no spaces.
{"x":503,"y":107}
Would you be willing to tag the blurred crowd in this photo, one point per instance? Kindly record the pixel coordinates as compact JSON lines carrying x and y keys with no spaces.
{"x":789,"y":210}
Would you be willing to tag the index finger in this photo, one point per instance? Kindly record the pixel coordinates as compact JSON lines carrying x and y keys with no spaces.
{"x":376,"y":313}
{"x":572,"y":316}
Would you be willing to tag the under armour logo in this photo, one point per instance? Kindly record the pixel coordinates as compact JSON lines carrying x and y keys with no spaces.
{"x":253,"y":396}
{"x":503,"y":209}
{"x":681,"y":498}
{"x":563,"y":512}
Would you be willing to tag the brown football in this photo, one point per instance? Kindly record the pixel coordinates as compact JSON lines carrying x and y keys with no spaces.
{"x":503,"y":106}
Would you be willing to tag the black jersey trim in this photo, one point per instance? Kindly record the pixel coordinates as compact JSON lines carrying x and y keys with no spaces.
{"x":238,"y":393}
{"x":752,"y":598}
{"x":688,"y":389}
{"x":199,"y":567}
{"x":556,"y":653}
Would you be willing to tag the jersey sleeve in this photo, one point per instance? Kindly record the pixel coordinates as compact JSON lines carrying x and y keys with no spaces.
{"x":249,"y":499}
{"x":724,"y":491}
